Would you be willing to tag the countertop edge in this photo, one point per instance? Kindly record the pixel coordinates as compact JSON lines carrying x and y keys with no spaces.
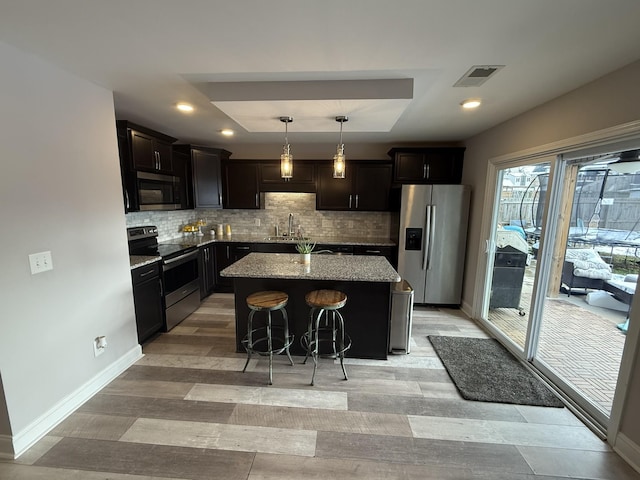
{"x":137,"y":261}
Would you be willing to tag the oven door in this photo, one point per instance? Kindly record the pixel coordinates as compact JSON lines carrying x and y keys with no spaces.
{"x":181,"y":286}
{"x":158,"y":192}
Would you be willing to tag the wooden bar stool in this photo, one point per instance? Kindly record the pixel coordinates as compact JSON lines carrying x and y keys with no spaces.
{"x":330,"y":331}
{"x":261,"y":339}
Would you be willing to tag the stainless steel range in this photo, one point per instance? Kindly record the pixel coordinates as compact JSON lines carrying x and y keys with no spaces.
{"x":180,"y":278}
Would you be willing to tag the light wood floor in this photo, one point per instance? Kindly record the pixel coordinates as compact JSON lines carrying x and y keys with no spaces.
{"x":186,"y":411}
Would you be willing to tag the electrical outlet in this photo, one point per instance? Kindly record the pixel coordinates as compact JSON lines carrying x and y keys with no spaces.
{"x":99,"y":345}
{"x":257,"y":222}
{"x":40,"y":262}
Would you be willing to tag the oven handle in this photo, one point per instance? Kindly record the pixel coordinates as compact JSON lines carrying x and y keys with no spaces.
{"x":174,"y":262}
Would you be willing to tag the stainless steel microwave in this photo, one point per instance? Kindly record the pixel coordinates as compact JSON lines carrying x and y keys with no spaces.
{"x":158,"y":192}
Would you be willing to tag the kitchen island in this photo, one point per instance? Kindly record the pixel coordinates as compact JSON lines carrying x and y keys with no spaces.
{"x":366,"y":280}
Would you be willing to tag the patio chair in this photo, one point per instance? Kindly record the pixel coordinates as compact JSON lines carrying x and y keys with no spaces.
{"x":584,"y":268}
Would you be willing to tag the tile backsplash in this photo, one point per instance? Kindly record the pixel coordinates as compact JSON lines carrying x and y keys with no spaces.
{"x":275,"y":209}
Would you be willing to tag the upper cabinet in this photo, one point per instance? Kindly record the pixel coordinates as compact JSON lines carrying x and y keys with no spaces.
{"x":303,"y":177}
{"x":366,"y":187}
{"x":427,"y":165}
{"x":205,"y":163}
{"x":149,"y":179}
{"x":240,"y":184}
{"x":148,"y":150}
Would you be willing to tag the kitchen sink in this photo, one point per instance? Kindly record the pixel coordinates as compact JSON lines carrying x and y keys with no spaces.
{"x":282,"y":238}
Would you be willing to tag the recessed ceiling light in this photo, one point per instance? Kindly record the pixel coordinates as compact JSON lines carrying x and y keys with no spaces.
{"x":470,"y":104}
{"x":227,"y":132}
{"x":184,"y":107}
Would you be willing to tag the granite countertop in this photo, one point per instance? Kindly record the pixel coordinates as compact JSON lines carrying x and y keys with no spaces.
{"x":351,"y":268}
{"x":197,"y":241}
{"x":137,"y":261}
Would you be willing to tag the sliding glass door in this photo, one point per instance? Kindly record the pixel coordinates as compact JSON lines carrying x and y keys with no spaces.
{"x":512,"y":249}
{"x":563,"y":256}
{"x":592,"y":273}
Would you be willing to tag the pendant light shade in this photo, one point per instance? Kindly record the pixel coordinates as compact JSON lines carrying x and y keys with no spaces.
{"x":286,"y":159}
{"x":339,"y":159}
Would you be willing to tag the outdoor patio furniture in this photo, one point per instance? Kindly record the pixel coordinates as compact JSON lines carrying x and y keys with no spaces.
{"x":584,"y":268}
{"x":623,"y":289}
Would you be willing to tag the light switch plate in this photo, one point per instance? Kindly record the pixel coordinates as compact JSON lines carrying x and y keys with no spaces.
{"x":40,"y":262}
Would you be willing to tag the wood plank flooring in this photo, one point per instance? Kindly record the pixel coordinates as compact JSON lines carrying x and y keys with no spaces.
{"x":186,"y":411}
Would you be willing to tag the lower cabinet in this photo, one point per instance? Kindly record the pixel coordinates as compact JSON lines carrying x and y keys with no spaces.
{"x":147,"y":299}
{"x":225,"y":255}
{"x":391,"y":253}
{"x":207,"y":270}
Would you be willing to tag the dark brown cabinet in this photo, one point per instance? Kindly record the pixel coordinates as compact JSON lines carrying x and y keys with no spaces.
{"x":151,"y":151}
{"x":182,"y":170}
{"x":205,"y":163}
{"x":207,"y":270}
{"x":240,"y":184}
{"x":427,"y":165}
{"x":149,"y":181}
{"x":147,"y":300}
{"x":391,"y":253}
{"x":366,"y":187}
{"x":303,"y":177}
{"x":225,"y":255}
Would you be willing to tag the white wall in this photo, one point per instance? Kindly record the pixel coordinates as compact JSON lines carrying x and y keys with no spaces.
{"x":59,"y":191}
{"x":608,"y":102}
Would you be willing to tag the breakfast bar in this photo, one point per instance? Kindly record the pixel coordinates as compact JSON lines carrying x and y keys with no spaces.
{"x":366,"y":280}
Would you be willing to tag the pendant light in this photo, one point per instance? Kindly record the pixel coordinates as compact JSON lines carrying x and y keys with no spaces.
{"x":339,"y":166}
{"x":286,"y":159}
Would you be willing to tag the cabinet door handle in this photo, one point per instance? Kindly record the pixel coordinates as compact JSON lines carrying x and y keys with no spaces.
{"x":220,"y":199}
{"x":424,"y":170}
{"x":357,"y":201}
{"x":161,"y":288}
{"x":428,"y":171}
{"x":126,"y":199}
{"x":206,"y":255}
{"x":228,"y":253}
{"x":373,"y":251}
{"x":242,"y":248}
{"x":147,"y":273}
{"x":257,"y":204}
{"x":350,"y":200}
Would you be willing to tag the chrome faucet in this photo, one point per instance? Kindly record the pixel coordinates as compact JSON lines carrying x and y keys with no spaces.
{"x":291,"y":224}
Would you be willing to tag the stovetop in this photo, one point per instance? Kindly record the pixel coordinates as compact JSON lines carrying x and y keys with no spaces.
{"x":144,"y":241}
{"x":169,"y":250}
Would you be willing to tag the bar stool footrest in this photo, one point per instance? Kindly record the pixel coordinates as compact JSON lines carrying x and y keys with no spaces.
{"x":308,"y":344}
{"x":261,"y":344}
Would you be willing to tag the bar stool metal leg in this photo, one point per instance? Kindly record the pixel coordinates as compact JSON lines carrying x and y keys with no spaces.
{"x":341,"y":343}
{"x":260,"y":339}
{"x":323,"y":328}
{"x":249,"y":339}
{"x":286,"y":334}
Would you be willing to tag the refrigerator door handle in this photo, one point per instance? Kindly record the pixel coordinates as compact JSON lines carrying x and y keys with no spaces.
{"x":427,"y":238}
{"x":432,"y":230}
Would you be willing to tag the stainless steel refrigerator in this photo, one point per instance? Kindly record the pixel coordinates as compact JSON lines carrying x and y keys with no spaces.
{"x":432,"y":241}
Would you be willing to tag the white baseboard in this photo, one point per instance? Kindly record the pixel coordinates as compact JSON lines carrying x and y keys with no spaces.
{"x":466,"y":309}
{"x":24,"y":439}
{"x":628,"y":450}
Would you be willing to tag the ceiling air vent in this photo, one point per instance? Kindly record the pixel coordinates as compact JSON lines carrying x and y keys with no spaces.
{"x":477,"y":75}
